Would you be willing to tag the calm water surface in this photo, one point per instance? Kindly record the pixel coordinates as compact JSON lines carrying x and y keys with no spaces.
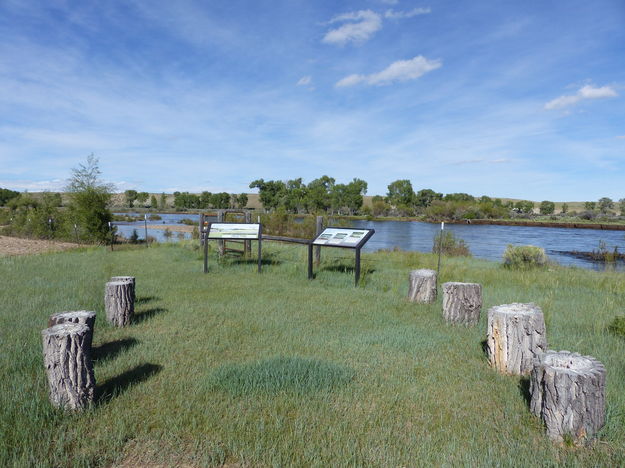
{"x":484,"y":241}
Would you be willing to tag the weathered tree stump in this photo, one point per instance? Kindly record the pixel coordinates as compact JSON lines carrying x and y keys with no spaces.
{"x":568,"y":394}
{"x":129,"y":279}
{"x":422,"y":286}
{"x":119,"y":303}
{"x":462,"y":303}
{"x":516,"y":335}
{"x":67,"y":359}
{"x":85,"y":317}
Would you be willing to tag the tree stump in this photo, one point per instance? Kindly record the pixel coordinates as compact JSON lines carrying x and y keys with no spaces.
{"x":78,"y":316}
{"x":568,"y":394}
{"x":67,"y":359}
{"x":462,"y":303}
{"x":422,"y":286}
{"x":516,"y":335}
{"x":119,"y":303}
{"x":129,"y":279}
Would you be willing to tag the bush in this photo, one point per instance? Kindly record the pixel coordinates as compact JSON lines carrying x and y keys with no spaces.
{"x":524,"y":256}
{"x":451,"y":245}
{"x":617,"y":326}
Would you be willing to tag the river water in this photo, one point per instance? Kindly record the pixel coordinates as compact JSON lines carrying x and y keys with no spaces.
{"x":484,"y":241}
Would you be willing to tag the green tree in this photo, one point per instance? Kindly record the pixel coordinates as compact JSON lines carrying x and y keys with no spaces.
{"x":459,"y":197}
{"x":162,"y":204}
{"x":318,"y":194}
{"x":221,"y":201}
{"x":242,"y":200}
{"x":547,"y":207}
{"x":153,"y":202}
{"x":131,"y":196}
{"x":89,"y":200}
{"x":605,"y":204}
{"x":205,"y":199}
{"x":295,"y":196}
{"x":425,"y":197}
{"x":400,"y":192}
{"x":524,"y":206}
{"x":142,"y":197}
{"x":6,"y":195}
{"x":565,"y":208}
{"x":621,"y":206}
{"x":271,"y":193}
{"x":354,"y":196}
{"x":590,"y":205}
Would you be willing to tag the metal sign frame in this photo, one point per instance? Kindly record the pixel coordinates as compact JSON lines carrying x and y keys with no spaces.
{"x":206,"y":238}
{"x":355,"y":247}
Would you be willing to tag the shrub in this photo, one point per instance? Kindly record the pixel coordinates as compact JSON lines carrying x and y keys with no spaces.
{"x":524,"y":256}
{"x":617,"y":326}
{"x":451,"y":245}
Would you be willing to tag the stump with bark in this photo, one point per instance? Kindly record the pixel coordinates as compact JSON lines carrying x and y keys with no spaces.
{"x":568,"y":394}
{"x":516,"y":336}
{"x":119,"y":303}
{"x":462,"y":303}
{"x":422,"y":286}
{"x":67,"y":359}
{"x":85,"y":317}
{"x":129,"y":279}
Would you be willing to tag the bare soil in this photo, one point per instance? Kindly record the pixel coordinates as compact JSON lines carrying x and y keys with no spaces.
{"x":17,"y":246}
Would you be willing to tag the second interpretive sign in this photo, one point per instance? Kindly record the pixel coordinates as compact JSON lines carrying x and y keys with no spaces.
{"x":343,"y":237}
{"x":233,"y":231}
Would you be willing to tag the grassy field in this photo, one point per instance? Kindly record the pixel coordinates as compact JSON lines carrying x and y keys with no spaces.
{"x":244,"y":369}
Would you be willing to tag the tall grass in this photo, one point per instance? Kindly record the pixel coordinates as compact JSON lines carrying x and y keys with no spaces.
{"x":273,"y":369}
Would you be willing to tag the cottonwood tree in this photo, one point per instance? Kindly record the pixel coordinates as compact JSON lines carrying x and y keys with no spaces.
{"x":89,"y":201}
{"x":131,"y":196}
{"x":547,"y":207}
{"x":400,"y":192}
{"x":605,"y":204}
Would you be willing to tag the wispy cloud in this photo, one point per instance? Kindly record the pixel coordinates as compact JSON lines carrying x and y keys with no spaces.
{"x":304,"y":81}
{"x":586,"y":92}
{"x":357,"y":27}
{"x":392,"y":14}
{"x":481,"y":161}
{"x":402,"y":70}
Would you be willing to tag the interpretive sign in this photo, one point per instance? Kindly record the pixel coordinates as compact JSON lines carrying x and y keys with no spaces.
{"x":233,"y":231}
{"x":343,"y":237}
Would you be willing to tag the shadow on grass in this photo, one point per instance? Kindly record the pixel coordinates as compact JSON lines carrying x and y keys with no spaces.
{"x":142,"y":316}
{"x":484,"y":346}
{"x":347,"y":269}
{"x":254,"y":261}
{"x":117,"y":385}
{"x":112,"y":349}
{"x":524,"y":390}
{"x":146,"y":299}
{"x":280,"y":374}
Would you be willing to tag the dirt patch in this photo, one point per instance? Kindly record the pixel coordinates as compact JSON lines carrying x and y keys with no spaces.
{"x":17,"y":246}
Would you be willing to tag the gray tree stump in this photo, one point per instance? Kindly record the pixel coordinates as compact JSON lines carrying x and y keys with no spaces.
{"x":119,"y":303}
{"x":568,"y":394}
{"x":516,"y":335}
{"x":422,"y":287}
{"x":85,"y":317}
{"x":67,"y":359}
{"x":129,"y":279}
{"x":462,"y":303}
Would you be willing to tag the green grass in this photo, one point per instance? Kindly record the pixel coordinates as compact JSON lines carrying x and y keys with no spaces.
{"x":276,"y":370}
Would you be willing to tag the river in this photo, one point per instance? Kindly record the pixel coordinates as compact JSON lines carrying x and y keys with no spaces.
{"x":484,"y":241}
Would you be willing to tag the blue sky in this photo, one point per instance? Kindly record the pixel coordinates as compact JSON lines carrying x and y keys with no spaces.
{"x":521,"y":99}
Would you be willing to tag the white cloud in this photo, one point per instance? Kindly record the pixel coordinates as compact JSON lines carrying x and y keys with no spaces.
{"x":392,"y":14}
{"x":621,"y":137}
{"x":586,"y":92}
{"x":358,"y":27}
{"x":390,"y":2}
{"x":304,"y":80}
{"x":402,"y":70}
{"x":54,"y":185}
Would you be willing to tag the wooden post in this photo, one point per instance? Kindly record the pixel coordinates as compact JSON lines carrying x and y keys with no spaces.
{"x":318,"y":230}
{"x":247,"y":245}
{"x":112,"y":235}
{"x":201,"y":228}
{"x":568,"y":394}
{"x":357,"y":268}
{"x":260,"y":250}
{"x":119,"y":303}
{"x":516,"y":336}
{"x":205,"y":237}
{"x":67,"y":359}
{"x":462,"y":303}
{"x":422,"y":286}
{"x":221,"y":246}
{"x":310,"y":261}
{"x":84,"y":317}
{"x":128,"y":279}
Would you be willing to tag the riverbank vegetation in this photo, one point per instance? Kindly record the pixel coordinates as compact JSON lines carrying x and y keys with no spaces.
{"x":239,"y":368}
